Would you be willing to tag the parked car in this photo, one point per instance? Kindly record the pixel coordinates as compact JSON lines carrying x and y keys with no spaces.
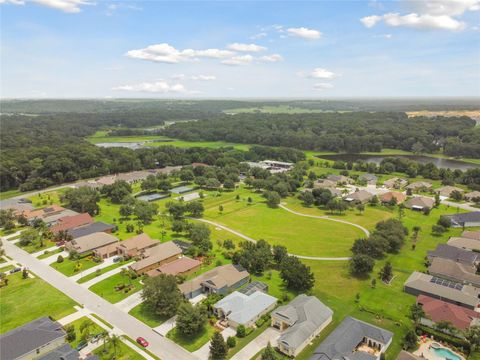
{"x":117,"y":259}
{"x":61,"y":243}
{"x":81,"y":345}
{"x":17,"y":269}
{"x":142,"y":341}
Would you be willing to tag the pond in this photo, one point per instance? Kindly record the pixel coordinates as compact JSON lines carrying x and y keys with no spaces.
{"x":422,"y":159}
{"x":130,"y":145}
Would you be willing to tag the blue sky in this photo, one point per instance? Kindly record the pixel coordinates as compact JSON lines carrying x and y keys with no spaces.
{"x":270,"y":49}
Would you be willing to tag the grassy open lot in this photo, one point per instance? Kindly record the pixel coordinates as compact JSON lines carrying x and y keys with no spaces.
{"x":301,"y":235}
{"x":122,"y":351}
{"x":106,"y":288}
{"x":192,"y":343}
{"x":43,"y":300}
{"x":72,"y":267}
{"x":49,"y":253}
{"x":144,"y":314}
{"x":93,"y":329}
{"x":102,"y":271}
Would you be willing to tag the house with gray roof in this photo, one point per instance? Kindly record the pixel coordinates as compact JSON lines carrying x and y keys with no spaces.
{"x":90,"y":229}
{"x":340,"y":179}
{"x":475,"y":235}
{"x":32,"y":340}
{"x":300,"y":322}
{"x":449,"y":252}
{"x":420,"y":203}
{"x":455,"y":271}
{"x":85,"y":244}
{"x":64,"y":352}
{"x":370,"y":179}
{"x":464,"y":243}
{"x":354,"y":339}
{"x":241,"y":309}
{"x":361,"y":196}
{"x":446,"y":290}
{"x":254,"y":286}
{"x":468,"y":219}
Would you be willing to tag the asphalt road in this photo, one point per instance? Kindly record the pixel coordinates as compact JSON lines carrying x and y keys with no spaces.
{"x":160,"y":346}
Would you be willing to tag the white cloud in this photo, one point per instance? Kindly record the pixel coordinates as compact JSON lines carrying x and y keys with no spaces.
{"x":68,"y":6}
{"x":13,"y":2}
{"x":271,"y":58}
{"x":238,"y":60}
{"x":258,"y":36}
{"x":305,"y":33}
{"x":383,"y":36}
{"x":322,"y":86}
{"x":321,"y":73}
{"x":246,"y":47}
{"x":159,"y":86}
{"x":200,"y":77}
{"x":168,"y":54}
{"x":427,"y":15}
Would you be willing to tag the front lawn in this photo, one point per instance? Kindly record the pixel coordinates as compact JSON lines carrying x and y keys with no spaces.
{"x":94,"y":329}
{"x":106,"y":288}
{"x":122,"y":351}
{"x":33,"y":248}
{"x":102,"y":271}
{"x":24,"y":300}
{"x":192,"y":343}
{"x":49,"y":253}
{"x":242,"y":342}
{"x":147,"y":316}
{"x":72,"y":267}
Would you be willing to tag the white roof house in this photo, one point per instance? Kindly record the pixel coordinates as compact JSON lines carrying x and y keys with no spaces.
{"x":241,"y":309}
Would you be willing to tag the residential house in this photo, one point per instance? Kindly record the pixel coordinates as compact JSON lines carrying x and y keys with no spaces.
{"x":106,"y":251}
{"x":464,"y":243}
{"x":181,"y":266}
{"x":136,"y":245}
{"x":91,"y":229}
{"x":419,"y":186}
{"x":354,"y":339}
{"x":340,"y":179}
{"x":17,"y":205}
{"x":420,"y":203}
{"x":278,"y":164}
{"x":471,"y":196}
{"x":438,"y":310}
{"x":35,"y":339}
{"x":156,"y":256}
{"x":471,"y":234}
{"x":324,"y":183}
{"x":91,"y":242}
{"x":361,"y":196}
{"x":455,"y":271}
{"x":453,"y":292}
{"x":254,"y":286}
{"x":446,"y":191}
{"x":64,"y":352}
{"x":70,"y":222}
{"x":219,"y":280}
{"x":300,"y":321}
{"x":241,"y":309}
{"x":387,"y":197}
{"x":33,"y":214}
{"x":453,"y":253}
{"x":370,"y":179}
{"x":395,"y":183}
{"x":468,"y":219}
{"x":52,"y":219}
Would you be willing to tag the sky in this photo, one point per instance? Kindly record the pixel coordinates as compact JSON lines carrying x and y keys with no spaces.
{"x":239,"y":49}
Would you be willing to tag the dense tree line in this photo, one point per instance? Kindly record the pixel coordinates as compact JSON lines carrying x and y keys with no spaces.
{"x":340,"y":132}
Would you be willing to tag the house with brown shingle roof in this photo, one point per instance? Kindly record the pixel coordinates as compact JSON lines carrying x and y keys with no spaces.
{"x":324,"y":183}
{"x":219,"y":280}
{"x":420,"y":203}
{"x":438,"y":310}
{"x":455,"y":271}
{"x":31,"y":215}
{"x":472,"y":195}
{"x":471,"y":234}
{"x":70,"y":222}
{"x":395,"y":183}
{"x":361,"y":196}
{"x":136,"y":245}
{"x":181,"y":266}
{"x":90,"y":242}
{"x":446,"y":191}
{"x":464,"y":243}
{"x":156,"y":256}
{"x":419,"y":185}
{"x":388,"y":196}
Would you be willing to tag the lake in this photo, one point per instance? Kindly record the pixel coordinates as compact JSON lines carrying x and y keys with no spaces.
{"x":422,"y":159}
{"x":130,"y":145}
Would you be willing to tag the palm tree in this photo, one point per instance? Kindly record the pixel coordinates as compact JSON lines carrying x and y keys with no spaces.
{"x":85,"y":328}
{"x":114,"y":340}
{"x":106,"y":338}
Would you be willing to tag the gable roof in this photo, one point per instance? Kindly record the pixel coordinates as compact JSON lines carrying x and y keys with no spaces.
{"x":464,"y":243}
{"x":26,"y":338}
{"x":455,"y":270}
{"x":472,"y":195}
{"x":175,"y":267}
{"x":342,"y":342}
{"x":462,"y":218}
{"x":454,"y":253}
{"x":64,"y":352}
{"x":92,"y":241}
{"x":138,"y":242}
{"x":395,"y":181}
{"x":242,"y":308}
{"x":157,"y":254}
{"x":420,"y":202}
{"x":90,"y":229}
{"x":438,"y":310}
{"x":419,"y":185}
{"x":368,"y":177}
{"x":447,"y":190}
{"x":70,"y":222}
{"x":49,"y":210}
{"x":471,"y":234}
{"x":388,"y":196}
{"x":305,"y":314}
{"x":226,"y":275}
{"x":361,"y":195}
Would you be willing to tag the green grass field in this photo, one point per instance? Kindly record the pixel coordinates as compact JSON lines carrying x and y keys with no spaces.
{"x":69,"y":267}
{"x":123,"y":352}
{"x":106,"y":288}
{"x":144,"y":314}
{"x":49,"y":253}
{"x":102,"y":271}
{"x":43,"y":300}
{"x":93,"y":329}
{"x":192,"y":343}
{"x":32,"y":248}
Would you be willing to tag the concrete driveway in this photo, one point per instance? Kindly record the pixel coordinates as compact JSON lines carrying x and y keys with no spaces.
{"x":204,"y":352}
{"x":168,"y":325}
{"x":103,"y":276}
{"x":260,"y":342}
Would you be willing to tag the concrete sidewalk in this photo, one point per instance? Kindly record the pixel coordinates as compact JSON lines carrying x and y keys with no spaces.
{"x":168,"y":325}
{"x":51,"y":259}
{"x":86,"y":272}
{"x":103,"y":276}
{"x":130,"y":302}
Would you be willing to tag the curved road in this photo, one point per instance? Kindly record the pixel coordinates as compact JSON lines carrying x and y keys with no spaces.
{"x":245,"y":237}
